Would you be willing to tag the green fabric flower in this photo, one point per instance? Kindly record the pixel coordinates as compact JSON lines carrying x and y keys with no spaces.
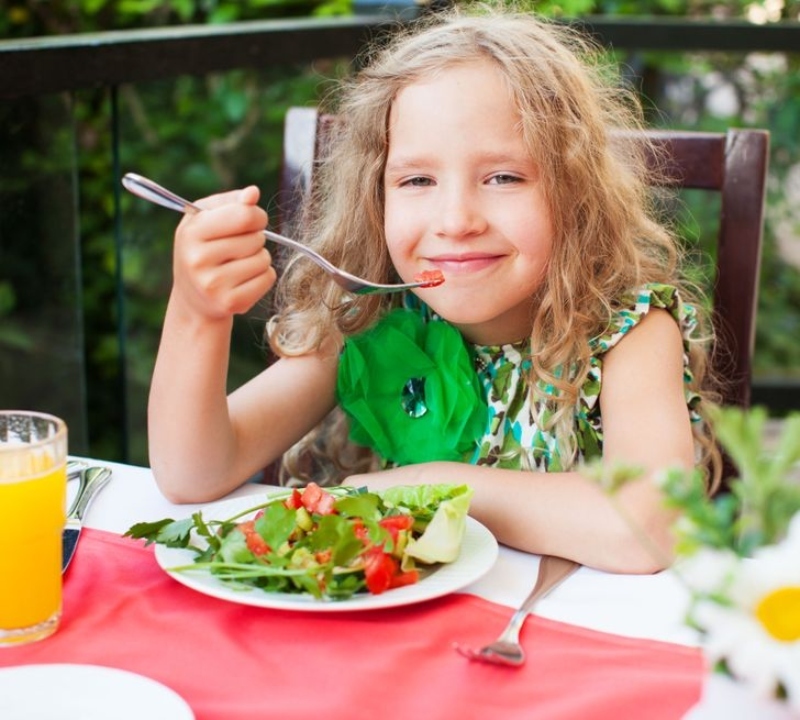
{"x":411,"y":391}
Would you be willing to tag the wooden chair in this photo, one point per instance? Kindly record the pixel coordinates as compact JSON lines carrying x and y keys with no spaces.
{"x":733,"y":164}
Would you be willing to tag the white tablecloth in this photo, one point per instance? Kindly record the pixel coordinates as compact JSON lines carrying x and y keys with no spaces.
{"x":645,"y":606}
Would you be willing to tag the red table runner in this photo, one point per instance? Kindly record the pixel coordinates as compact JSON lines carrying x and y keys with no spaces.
{"x":235,"y":662}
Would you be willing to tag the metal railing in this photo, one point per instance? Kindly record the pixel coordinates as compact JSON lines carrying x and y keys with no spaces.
{"x":46,"y":66}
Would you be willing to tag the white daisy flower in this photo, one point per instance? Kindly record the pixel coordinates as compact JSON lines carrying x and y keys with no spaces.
{"x":708,"y":570}
{"x":758,"y":635}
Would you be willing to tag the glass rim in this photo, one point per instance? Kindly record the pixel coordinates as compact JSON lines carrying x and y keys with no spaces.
{"x":61,"y":430}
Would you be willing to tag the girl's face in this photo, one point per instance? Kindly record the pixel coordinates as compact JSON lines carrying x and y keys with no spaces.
{"x":463,"y":196}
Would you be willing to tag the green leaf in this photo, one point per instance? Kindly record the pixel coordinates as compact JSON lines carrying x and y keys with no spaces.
{"x":233,"y":548}
{"x":276,"y":524}
{"x":147,"y":530}
{"x":422,"y":501}
{"x":169,"y":532}
{"x":336,"y":533}
{"x":442,"y":538}
{"x":92,"y":7}
{"x":366,"y":506}
{"x":176,"y":534}
{"x":203,"y":531}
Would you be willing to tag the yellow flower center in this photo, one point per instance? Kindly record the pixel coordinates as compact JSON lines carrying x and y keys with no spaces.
{"x":779,"y":613}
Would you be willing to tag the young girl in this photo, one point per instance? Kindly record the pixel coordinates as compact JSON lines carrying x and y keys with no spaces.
{"x":482,"y":147}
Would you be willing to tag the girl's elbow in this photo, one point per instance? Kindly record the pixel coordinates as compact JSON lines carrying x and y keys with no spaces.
{"x":639,"y":562}
{"x":171,"y":486}
{"x":649,"y":548}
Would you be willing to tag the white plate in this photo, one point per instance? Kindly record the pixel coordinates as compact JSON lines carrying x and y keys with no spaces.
{"x":85,"y":692}
{"x":478,"y":554}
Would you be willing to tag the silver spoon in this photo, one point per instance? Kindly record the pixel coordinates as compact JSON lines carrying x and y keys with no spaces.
{"x":155,"y":193}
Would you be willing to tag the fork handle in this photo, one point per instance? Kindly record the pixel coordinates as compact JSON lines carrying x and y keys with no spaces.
{"x":158,"y":194}
{"x":553,"y":571}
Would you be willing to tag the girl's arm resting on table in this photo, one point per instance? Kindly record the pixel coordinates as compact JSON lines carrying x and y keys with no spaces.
{"x":645,"y":422}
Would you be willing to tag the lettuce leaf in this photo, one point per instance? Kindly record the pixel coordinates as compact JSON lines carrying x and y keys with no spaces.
{"x":446,"y":506}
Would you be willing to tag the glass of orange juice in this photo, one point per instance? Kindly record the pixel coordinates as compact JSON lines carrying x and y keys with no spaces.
{"x":33,"y":482}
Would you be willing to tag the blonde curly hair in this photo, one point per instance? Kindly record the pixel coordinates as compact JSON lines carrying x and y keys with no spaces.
{"x":574,"y":116}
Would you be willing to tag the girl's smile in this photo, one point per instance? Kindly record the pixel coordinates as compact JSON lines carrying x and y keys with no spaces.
{"x":463,"y":196}
{"x":464,"y":263}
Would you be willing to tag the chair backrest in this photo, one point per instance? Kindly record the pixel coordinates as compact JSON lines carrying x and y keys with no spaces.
{"x":733,"y":164}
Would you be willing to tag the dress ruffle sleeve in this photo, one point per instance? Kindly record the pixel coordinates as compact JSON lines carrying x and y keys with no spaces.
{"x":662,"y":297}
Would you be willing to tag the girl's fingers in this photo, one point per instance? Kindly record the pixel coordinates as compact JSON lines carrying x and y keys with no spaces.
{"x":223,"y":250}
{"x":246,"y":196}
{"x":249,"y":195}
{"x":225,"y":221}
{"x":221,"y":266}
{"x":237,"y":285}
{"x":245,"y":296}
{"x":224,"y":215}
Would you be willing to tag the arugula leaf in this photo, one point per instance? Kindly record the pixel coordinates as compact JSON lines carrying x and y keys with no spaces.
{"x":146,"y":530}
{"x":337,"y":534}
{"x":367,"y":506}
{"x":344,"y":585}
{"x":203,"y":531}
{"x":276,"y":524}
{"x":309,"y":584}
{"x":233,"y":548}
{"x":169,"y":532}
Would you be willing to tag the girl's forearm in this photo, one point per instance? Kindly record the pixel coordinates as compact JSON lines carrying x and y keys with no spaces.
{"x":568,"y":514}
{"x":563,"y":514}
{"x":191,"y":442}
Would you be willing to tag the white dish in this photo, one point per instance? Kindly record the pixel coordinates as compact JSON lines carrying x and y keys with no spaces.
{"x":478,"y":554}
{"x":85,"y":692}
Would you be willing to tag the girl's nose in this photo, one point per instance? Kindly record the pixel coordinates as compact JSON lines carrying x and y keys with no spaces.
{"x":460,"y":214}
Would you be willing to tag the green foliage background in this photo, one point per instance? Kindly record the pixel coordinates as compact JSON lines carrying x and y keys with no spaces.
{"x":200,"y":135}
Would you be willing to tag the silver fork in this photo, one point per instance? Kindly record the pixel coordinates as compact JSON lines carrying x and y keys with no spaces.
{"x":155,"y":193}
{"x":506,"y":650}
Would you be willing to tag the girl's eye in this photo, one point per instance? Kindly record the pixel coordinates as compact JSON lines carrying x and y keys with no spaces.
{"x":418,"y":181}
{"x":504,"y":179}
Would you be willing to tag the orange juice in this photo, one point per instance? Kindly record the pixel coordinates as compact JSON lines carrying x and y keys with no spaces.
{"x":32,"y":519}
{"x":32,"y":516}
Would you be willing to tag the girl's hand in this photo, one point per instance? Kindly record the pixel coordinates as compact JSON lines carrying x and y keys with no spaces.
{"x":220,"y":264}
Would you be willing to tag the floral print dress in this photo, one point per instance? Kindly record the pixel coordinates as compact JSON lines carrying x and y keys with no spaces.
{"x":514,"y":428}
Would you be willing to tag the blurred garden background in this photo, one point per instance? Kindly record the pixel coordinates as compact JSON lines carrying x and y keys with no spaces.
{"x":85,"y":269}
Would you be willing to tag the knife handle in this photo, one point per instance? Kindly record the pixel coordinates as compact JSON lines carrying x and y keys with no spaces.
{"x":92,"y":479}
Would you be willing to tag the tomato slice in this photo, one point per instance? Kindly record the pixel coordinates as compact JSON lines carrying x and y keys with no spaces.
{"x":360,"y":530}
{"x":430,"y":278}
{"x":379,"y":569}
{"x":395,"y":523}
{"x":317,"y":500}
{"x":410,"y":577}
{"x":255,"y":543}
{"x":382,"y":572}
{"x":294,"y":501}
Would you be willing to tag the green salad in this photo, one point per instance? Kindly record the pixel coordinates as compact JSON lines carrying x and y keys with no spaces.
{"x":331,"y":543}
